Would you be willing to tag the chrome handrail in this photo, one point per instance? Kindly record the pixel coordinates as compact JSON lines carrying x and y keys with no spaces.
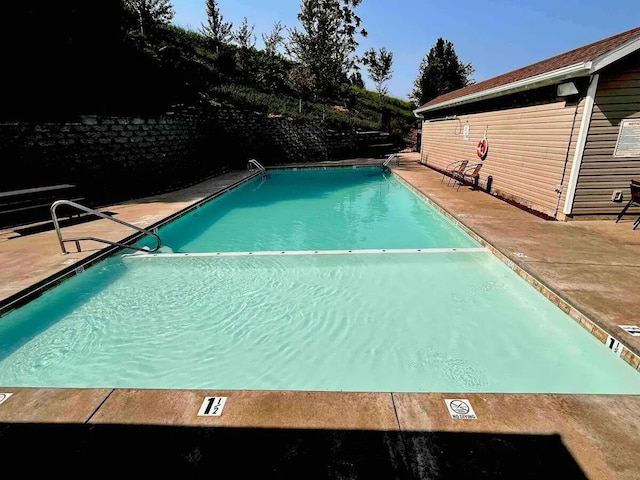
{"x":388,"y":161}
{"x":77,"y":240}
{"x":389,"y":158}
{"x":253,"y":163}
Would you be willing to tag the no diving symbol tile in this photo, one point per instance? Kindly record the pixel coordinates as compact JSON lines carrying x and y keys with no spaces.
{"x":4,"y":397}
{"x":460,"y":409}
{"x":631,"y":329}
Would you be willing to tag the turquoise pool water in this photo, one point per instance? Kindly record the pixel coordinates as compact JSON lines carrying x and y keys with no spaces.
{"x":315,"y":209}
{"x":444,"y":321}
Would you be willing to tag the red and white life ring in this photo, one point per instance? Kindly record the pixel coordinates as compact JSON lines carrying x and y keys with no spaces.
{"x":483,"y":148}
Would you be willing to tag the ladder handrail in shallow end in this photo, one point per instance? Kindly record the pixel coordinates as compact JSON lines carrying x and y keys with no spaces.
{"x":77,"y":240}
{"x":253,"y":164}
{"x":388,"y":161}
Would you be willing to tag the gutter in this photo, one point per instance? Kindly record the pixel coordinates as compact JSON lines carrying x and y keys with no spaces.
{"x":581,"y":69}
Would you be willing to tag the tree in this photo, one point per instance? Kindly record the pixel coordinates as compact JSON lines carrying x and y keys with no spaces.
{"x":326,"y":42}
{"x":273,"y":39}
{"x":245,"y":59}
{"x":379,"y":66}
{"x":302,"y":82}
{"x":355,"y":79}
{"x":216,"y":28}
{"x":150,"y":12}
{"x":440,"y":72}
{"x":244,"y":36}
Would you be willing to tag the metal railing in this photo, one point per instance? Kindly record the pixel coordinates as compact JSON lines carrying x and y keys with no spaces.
{"x":77,"y":240}
{"x":253,"y":164}
{"x":388,"y":161}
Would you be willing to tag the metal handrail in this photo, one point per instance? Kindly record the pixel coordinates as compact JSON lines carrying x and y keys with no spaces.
{"x":253,"y":163}
{"x":388,"y":160}
{"x":77,"y":240}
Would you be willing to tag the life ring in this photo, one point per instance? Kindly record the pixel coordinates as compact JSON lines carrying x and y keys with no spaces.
{"x":483,"y":148}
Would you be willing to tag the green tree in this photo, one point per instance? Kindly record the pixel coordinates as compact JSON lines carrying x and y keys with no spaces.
{"x":326,"y":42}
{"x":355,"y":79}
{"x":302,"y":81}
{"x":244,"y":36}
{"x":150,"y":12}
{"x":273,"y":68}
{"x":379,"y":66}
{"x":273,"y":39}
{"x":245,"y":58}
{"x":216,"y":28}
{"x":440,"y":72}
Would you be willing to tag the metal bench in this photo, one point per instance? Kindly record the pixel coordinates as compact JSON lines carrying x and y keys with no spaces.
{"x":27,"y":205}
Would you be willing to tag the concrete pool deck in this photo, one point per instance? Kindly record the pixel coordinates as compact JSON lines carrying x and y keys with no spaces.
{"x":593,"y":266}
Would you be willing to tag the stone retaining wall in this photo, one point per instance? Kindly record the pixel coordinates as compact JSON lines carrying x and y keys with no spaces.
{"x":114,"y":158}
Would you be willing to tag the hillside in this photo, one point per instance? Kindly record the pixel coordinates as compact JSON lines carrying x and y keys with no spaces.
{"x":251,"y":79}
{"x":89,"y":58}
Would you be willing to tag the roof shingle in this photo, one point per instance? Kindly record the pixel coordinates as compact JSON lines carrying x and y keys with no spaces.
{"x":572,"y":57}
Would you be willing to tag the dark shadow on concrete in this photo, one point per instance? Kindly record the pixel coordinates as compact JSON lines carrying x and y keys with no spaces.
{"x":453,"y":455}
{"x":255,"y":453}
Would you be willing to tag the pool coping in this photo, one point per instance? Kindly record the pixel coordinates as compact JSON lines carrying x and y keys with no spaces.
{"x":510,"y":432}
{"x":618,"y":347}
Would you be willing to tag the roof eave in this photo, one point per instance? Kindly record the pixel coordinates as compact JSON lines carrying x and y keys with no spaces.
{"x":537,"y":81}
{"x":614,"y":55}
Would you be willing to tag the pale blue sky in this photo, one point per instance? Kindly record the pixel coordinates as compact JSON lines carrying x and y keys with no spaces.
{"x":494,"y":35}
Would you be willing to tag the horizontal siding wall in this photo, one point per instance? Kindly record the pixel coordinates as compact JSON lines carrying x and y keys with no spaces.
{"x":527,"y":150}
{"x":617,"y":98}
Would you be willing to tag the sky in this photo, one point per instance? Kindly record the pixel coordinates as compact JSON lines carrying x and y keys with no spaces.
{"x":495,"y":36}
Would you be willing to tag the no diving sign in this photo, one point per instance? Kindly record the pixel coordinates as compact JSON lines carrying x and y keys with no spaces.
{"x":460,"y":409}
{"x":4,"y":396}
{"x":631,"y":329}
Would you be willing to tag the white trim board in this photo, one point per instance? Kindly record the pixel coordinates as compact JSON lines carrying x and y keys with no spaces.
{"x":580,"y":144}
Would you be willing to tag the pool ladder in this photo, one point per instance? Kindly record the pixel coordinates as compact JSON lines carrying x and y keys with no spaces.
{"x":386,"y":163}
{"x":77,"y":240}
{"x":253,"y":164}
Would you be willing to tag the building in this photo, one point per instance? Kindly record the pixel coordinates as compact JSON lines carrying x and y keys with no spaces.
{"x":563,"y":134}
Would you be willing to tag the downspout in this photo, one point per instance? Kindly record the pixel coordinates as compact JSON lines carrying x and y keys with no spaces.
{"x":580,"y":144}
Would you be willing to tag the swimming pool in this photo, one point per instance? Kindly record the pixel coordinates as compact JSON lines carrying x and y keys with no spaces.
{"x":309,"y":209}
{"x":433,"y":312}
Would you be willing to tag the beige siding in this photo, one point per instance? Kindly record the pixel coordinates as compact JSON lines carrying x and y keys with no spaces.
{"x":527,"y":150}
{"x":617,"y":97}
